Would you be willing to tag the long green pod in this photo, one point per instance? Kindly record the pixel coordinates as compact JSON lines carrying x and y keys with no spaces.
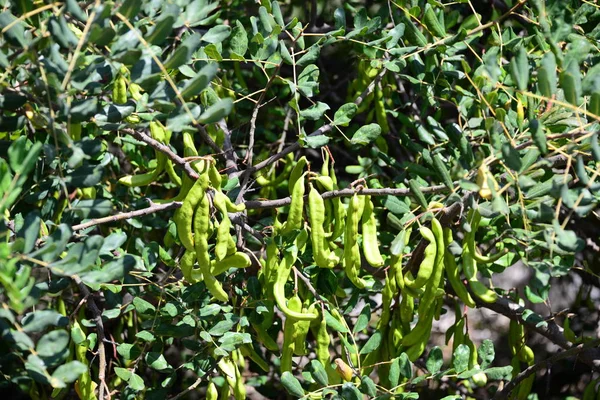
{"x":282,"y":275}
{"x":183,"y":216}
{"x":370,"y":244}
{"x":294,"y":304}
{"x":316,"y":215}
{"x":295,"y":217}
{"x":453,"y":273}
{"x":236,"y":260}
{"x":296,"y":173}
{"x":186,"y":263}
{"x":432,"y":289}
{"x":301,"y":330}
{"x":428,"y":263}
{"x":201,"y":228}
{"x":351,"y":251}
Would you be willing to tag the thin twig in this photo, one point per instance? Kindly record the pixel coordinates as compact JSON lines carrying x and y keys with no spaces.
{"x":126,"y":215}
{"x":228,"y":150}
{"x":322,"y":130}
{"x":308,"y":284}
{"x":258,"y":204}
{"x":166,"y":150}
{"x":91,"y":305}
{"x":510,"y":386}
{"x":187,"y":390}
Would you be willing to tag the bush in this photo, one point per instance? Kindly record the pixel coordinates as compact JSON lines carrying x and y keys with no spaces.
{"x":211,"y":198}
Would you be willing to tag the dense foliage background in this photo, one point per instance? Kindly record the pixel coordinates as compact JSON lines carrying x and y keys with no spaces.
{"x":476,"y":117}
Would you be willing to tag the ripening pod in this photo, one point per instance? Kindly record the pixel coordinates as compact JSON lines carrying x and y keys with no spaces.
{"x":483,"y":181}
{"x":343,"y":369}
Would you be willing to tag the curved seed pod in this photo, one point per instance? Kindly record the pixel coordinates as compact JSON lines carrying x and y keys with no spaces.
{"x":351,"y":251}
{"x":236,"y":260}
{"x":187,"y":267}
{"x":211,"y":391}
{"x":407,"y":311}
{"x":453,"y":273}
{"x":316,"y":214}
{"x":223,"y":237}
{"x":119,"y":94}
{"x":201,"y":228}
{"x":428,"y":263}
{"x":295,"y":305}
{"x":296,"y":173}
{"x":295,"y":217}
{"x":282,"y":275}
{"x":482,"y":291}
{"x":175,"y":178}
{"x":248,"y":351}
{"x":289,"y":164}
{"x":183,"y":216}
{"x":301,"y":330}
{"x":370,"y":243}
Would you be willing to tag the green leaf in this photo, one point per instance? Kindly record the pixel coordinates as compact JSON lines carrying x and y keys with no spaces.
{"x":128,"y":351}
{"x":315,"y":112}
{"x":184,"y":52}
{"x":363,"y":319}
{"x":547,"y":81}
{"x":318,"y":373}
{"x":156,"y":361}
{"x":53,"y":343}
{"x":461,"y":358}
{"x":511,"y":157}
{"x":136,"y":382}
{"x":351,"y":392}
{"x":146,"y":336}
{"x":130,"y":8}
{"x":367,"y":386}
{"x":291,"y":384}
{"x":519,"y":68}
{"x":16,"y":34}
{"x":366,"y":134}
{"x":372,"y":344}
{"x":344,"y":114}
{"x":238,"y":43}
{"x":499,"y":373}
{"x":334,"y":323}
{"x":37,"y":321}
{"x":142,"y":306}
{"x":570,"y":81}
{"x":396,"y":205}
{"x":486,"y":353}
{"x":123,"y":373}
{"x":309,"y":57}
{"x":435,"y":360}
{"x":538,"y":135}
{"x":96,"y":208}
{"x":30,"y":230}
{"x":194,"y":86}
{"x":162,"y":29}
{"x":315,"y":142}
{"x":217,"y":34}
{"x":69,"y":372}
{"x":22,"y":158}
{"x":217,"y":111}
